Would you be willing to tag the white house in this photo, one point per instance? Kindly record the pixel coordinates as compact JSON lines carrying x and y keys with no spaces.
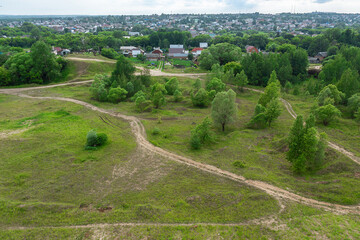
{"x":203,"y":45}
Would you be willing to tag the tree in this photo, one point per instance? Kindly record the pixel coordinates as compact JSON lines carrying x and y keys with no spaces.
{"x":259,"y":120}
{"x":330,"y":92}
{"x":172,"y":85}
{"x":117,"y":94}
{"x":354,"y":103}
{"x":306,"y":150}
{"x":235,"y":67}
{"x":327,"y":114}
{"x":141,"y":57}
{"x":273,"y":111}
{"x":109,"y":53}
{"x":272,"y":90}
{"x":201,"y":134}
{"x":178,"y":97}
{"x":45,"y":68}
{"x":201,"y":98}
{"x":197,"y":84}
{"x":4,"y":77}
{"x":98,"y":89}
{"x":224,"y":108}
{"x":158,"y":95}
{"x":349,"y":83}
{"x":241,"y":80}
{"x":123,"y":72}
{"x":215,"y":84}
{"x":221,"y":53}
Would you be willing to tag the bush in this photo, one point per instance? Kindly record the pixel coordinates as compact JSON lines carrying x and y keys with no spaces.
{"x":195,"y":142}
{"x":94,"y":140}
{"x":200,"y":99}
{"x":171,"y":86}
{"x":178,"y":97}
{"x":155,"y":131}
{"x":117,"y":94}
{"x":238,"y":164}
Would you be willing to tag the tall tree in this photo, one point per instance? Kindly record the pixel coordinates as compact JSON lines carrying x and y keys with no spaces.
{"x":224,"y":108}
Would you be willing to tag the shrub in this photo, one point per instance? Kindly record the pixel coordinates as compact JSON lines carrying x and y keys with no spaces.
{"x":117,"y":94}
{"x":171,"y":86}
{"x":155,"y":131}
{"x":94,"y":140}
{"x":200,"y":99}
{"x":195,"y":142}
{"x":327,"y":114}
{"x":178,"y":97}
{"x":238,"y":164}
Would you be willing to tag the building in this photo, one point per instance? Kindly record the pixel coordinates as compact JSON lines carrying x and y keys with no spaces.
{"x":156,"y":55}
{"x":197,"y":51}
{"x":177,"y":51}
{"x":131,"y":51}
{"x":321,"y":56}
{"x":203,"y":45}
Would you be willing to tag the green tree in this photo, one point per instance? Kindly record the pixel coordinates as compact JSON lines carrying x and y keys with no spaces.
{"x":117,"y":94}
{"x":178,"y":97}
{"x":4,"y":77}
{"x":354,"y":103}
{"x":197,"y":84}
{"x":141,"y":57}
{"x":158,"y":92}
{"x":201,"y":98}
{"x":272,"y":90}
{"x":241,"y":80}
{"x":98,"y":89}
{"x":273,"y":111}
{"x":45,"y":68}
{"x":215,"y":84}
{"x":330,"y":92}
{"x":224,"y":108}
{"x":349,"y":83}
{"x":123,"y":72}
{"x":221,"y":53}
{"x":172,"y":85}
{"x":327,"y":114}
{"x":201,"y":134}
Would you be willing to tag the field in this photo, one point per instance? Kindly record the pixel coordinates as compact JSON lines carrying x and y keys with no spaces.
{"x":51,"y":187}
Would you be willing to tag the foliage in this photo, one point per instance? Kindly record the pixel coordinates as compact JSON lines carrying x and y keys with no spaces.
{"x":273,"y":111}
{"x":94,"y":139}
{"x":241,"y":80}
{"x":224,"y":108}
{"x":349,"y":83}
{"x":272,"y":91}
{"x":201,"y":134}
{"x":4,"y":77}
{"x":215,"y":84}
{"x":172,"y":85}
{"x":142,"y":105}
{"x":178,"y":97}
{"x":200,"y":98}
{"x":221,"y":53}
{"x":197,"y":84}
{"x":330,"y":92}
{"x":109,"y":53}
{"x":117,"y":95}
{"x":354,"y":103}
{"x":306,"y":150}
{"x":158,"y":92}
{"x":327,"y":114}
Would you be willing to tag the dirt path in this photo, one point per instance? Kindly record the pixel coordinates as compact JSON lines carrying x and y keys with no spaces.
{"x":140,"y":135}
{"x":90,"y":60}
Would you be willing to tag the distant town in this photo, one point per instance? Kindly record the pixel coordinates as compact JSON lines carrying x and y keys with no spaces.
{"x":214,"y":24}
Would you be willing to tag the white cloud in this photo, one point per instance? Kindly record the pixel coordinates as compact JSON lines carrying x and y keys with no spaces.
{"x":104,"y":7}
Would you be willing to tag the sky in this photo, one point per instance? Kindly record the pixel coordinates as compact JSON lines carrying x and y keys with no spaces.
{"x":134,"y":7}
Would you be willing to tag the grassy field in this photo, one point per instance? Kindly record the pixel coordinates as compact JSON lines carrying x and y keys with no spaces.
{"x":262,"y":151}
{"x":48,"y":180}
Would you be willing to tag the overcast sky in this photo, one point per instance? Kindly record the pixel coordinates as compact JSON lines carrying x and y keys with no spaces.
{"x":127,"y":7}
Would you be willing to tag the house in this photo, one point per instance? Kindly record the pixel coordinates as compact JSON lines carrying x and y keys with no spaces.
{"x":197,"y":51}
{"x":251,"y":49}
{"x":204,"y":45}
{"x":131,"y":51}
{"x":132,"y":34}
{"x":156,"y":55}
{"x":177,"y":51}
{"x":60,"y":51}
{"x":313,"y":60}
{"x":321,"y":56}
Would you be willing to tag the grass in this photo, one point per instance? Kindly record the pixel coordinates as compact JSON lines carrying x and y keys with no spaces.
{"x":261,"y":151}
{"x":47,"y":178}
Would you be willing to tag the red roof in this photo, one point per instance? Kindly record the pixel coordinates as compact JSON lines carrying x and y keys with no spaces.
{"x":197,"y":49}
{"x":58,"y":49}
{"x":252,"y":49}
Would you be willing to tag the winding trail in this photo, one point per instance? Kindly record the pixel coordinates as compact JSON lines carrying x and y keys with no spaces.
{"x":139,"y":132}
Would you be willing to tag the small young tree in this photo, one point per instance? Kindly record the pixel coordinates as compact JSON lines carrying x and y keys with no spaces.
{"x":197,"y":84}
{"x":241,"y":80}
{"x":178,"y":97}
{"x":215,"y":84}
{"x":172,"y":85}
{"x":158,"y":95}
{"x":200,"y":99}
{"x":354,"y":103}
{"x":272,"y":91}
{"x":327,"y":114}
{"x":273,"y":111}
{"x":330,"y":92}
{"x":349,"y":83}
{"x":201,"y":134}
{"x":224,"y":108}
